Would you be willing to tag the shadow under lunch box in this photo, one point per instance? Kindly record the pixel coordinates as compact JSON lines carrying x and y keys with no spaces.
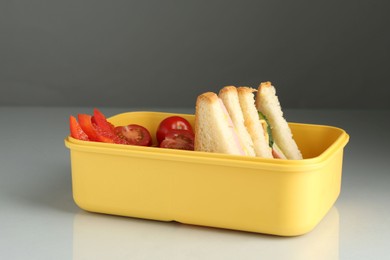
{"x":269,"y":196}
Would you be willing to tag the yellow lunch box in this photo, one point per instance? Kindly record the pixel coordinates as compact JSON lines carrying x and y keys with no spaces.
{"x":270,"y":196}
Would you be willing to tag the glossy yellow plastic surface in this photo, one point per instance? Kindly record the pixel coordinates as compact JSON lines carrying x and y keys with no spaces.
{"x":271,"y":196}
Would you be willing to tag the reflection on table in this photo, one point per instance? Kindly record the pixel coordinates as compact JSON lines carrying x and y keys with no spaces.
{"x":97,"y":236}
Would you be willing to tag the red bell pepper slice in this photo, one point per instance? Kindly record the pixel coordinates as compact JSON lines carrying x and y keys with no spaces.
{"x":76,"y":131}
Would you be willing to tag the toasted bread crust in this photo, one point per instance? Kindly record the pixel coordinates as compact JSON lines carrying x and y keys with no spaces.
{"x":246,"y":90}
{"x":268,"y":103}
{"x":265,"y":84}
{"x":230,"y":98}
{"x":214,"y":130}
{"x":209,"y":98}
{"x":252,"y":122}
{"x":227,"y":89}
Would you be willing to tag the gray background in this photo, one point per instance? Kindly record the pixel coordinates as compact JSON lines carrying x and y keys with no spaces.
{"x":329,"y":54}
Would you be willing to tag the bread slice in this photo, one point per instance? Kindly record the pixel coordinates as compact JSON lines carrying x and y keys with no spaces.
{"x":252,"y":122}
{"x":268,"y":103}
{"x":214,"y":130}
{"x":229,"y":97}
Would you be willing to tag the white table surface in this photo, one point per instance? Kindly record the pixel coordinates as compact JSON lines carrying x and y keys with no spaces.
{"x":39,"y":220}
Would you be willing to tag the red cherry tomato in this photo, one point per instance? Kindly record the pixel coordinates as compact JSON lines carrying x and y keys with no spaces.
{"x":134,"y":134}
{"x":169,"y":123}
{"x":178,"y":139}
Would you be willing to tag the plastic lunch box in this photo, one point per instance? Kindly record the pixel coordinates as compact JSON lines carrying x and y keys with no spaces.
{"x":270,"y":196}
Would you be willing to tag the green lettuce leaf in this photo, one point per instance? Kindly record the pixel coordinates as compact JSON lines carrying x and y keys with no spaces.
{"x":269,"y":131}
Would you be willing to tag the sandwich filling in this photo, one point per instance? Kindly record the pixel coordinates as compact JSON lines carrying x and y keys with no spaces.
{"x":229,"y":121}
{"x":276,"y":151}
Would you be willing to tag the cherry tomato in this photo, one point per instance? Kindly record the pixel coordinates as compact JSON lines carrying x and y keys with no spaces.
{"x":134,"y":134}
{"x":75,"y":129}
{"x":178,"y":139}
{"x":169,"y":123}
